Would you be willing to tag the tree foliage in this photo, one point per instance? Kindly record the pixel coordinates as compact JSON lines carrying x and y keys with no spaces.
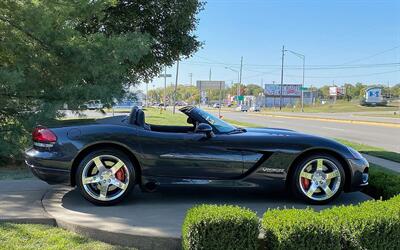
{"x":55,"y":52}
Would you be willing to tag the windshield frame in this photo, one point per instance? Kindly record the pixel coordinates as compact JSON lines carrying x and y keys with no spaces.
{"x":197,"y":114}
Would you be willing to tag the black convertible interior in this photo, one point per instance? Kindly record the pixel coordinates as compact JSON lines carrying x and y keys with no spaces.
{"x":137,"y":117}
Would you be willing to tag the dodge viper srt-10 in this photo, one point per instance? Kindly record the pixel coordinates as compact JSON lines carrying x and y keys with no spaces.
{"x":106,"y":158}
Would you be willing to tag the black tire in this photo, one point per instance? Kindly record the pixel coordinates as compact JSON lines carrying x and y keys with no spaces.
{"x":295,"y":179}
{"x":112,"y":152}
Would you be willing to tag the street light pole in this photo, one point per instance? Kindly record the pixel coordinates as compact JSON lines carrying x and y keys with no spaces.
{"x":239,"y":80}
{"x":280,"y":98}
{"x":303,"y":57}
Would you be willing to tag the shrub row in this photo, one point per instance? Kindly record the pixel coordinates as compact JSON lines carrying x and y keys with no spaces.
{"x":220,"y":227}
{"x":383,"y":184}
{"x":369,"y":225}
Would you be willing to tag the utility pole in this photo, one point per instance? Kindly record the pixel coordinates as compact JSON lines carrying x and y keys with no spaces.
{"x":176,"y":85}
{"x":191,"y":76}
{"x":147,"y":94}
{"x":165,"y":87}
{"x":220,"y":97}
{"x":283,"y":56}
{"x":240,"y":76}
{"x":209,"y":75}
{"x":165,"y":75}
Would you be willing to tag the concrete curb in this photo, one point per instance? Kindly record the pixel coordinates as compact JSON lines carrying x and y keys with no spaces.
{"x":116,"y":238}
{"x":381,"y":124}
{"x":122,"y":239}
{"x":42,"y":221}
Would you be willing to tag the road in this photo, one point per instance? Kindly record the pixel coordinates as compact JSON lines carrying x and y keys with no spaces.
{"x":379,"y":136}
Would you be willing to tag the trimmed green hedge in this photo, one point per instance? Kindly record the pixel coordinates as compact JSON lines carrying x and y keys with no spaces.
{"x":370,"y":225}
{"x":220,"y":227}
{"x":383,"y":183}
{"x":297,"y":229}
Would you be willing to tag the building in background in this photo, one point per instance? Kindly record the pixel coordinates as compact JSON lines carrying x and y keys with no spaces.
{"x":291,"y":94}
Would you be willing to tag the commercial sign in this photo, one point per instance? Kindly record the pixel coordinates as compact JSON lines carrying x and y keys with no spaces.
{"x":208,"y":85}
{"x":335,"y":91}
{"x":287,"y":90}
{"x":373,"y":95}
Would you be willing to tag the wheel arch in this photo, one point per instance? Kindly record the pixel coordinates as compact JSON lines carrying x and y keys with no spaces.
{"x":331,"y":152}
{"x":104,"y":145}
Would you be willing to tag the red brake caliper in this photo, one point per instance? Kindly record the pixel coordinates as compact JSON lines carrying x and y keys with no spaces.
{"x":305,"y":182}
{"x":120,"y":175}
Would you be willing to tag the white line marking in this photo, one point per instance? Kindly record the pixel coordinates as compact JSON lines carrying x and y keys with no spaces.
{"x":337,"y":129}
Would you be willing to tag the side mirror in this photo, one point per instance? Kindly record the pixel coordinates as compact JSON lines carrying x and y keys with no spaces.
{"x":206,"y":129}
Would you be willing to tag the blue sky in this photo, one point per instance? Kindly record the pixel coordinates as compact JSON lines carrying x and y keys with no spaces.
{"x":343,"y":41}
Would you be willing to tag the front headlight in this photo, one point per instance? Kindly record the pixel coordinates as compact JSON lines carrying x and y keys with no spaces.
{"x":355,"y":153}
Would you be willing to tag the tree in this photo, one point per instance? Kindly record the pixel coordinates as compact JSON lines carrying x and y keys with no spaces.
{"x":67,"y":52}
{"x":253,"y":89}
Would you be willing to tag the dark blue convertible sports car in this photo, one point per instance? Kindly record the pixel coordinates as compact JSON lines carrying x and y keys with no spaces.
{"x":108,"y":157}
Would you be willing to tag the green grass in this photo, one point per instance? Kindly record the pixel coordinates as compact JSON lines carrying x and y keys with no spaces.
{"x":29,"y":236}
{"x":165,"y":117}
{"x":15,"y":172}
{"x":386,"y":115}
{"x":339,"y":106}
{"x":242,"y":124}
{"x":371,"y":150}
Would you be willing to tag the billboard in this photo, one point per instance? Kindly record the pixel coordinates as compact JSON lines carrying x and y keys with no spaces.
{"x":336,"y":91}
{"x":293,"y":90}
{"x":208,"y":85}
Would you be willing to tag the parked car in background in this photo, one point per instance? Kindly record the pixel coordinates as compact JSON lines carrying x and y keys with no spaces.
{"x":216,"y":105}
{"x":242,"y":108}
{"x":255,"y":109}
{"x":92,"y":105}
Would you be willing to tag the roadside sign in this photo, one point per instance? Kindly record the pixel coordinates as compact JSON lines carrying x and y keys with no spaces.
{"x":165,"y":75}
{"x":303,"y":88}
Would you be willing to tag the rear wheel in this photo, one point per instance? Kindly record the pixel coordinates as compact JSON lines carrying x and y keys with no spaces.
{"x":318,"y":179}
{"x":105,"y":177}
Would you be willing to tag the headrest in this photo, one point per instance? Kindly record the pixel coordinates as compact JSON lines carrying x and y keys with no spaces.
{"x":140,"y":118}
{"x":133,"y":114}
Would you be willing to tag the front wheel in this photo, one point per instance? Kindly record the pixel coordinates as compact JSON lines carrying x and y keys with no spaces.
{"x":105,"y":177}
{"x":318,"y":179}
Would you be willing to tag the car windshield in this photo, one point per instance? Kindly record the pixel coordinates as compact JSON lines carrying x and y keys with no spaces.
{"x":219,"y":124}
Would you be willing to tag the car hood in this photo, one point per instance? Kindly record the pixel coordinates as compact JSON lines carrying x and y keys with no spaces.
{"x":272,"y":131}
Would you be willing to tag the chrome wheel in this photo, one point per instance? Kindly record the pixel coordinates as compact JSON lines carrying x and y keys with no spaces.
{"x":105,"y":177}
{"x":320,"y":179}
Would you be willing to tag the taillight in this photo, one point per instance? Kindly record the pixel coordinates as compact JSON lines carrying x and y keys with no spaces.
{"x":43,"y":135}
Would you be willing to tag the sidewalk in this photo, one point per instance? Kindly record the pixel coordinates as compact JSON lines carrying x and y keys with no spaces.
{"x":394,"y":166}
{"x":21,"y":201}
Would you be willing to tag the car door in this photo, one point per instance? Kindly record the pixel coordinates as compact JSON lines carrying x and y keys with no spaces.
{"x":189,"y":155}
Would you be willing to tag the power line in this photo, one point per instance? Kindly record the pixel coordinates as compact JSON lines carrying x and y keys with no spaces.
{"x":371,"y":56}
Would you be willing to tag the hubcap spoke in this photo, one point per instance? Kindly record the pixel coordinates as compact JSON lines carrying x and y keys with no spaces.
{"x":117,"y":166}
{"x":119,"y":184}
{"x":99,"y":164}
{"x":320,"y":164}
{"x":90,"y":180}
{"x":306,"y":175}
{"x":332,"y":174}
{"x":327,"y":191}
{"x":103,"y":191}
{"x":312,"y":189}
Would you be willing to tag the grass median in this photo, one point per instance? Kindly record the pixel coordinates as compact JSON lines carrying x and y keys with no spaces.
{"x":30,"y":236}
